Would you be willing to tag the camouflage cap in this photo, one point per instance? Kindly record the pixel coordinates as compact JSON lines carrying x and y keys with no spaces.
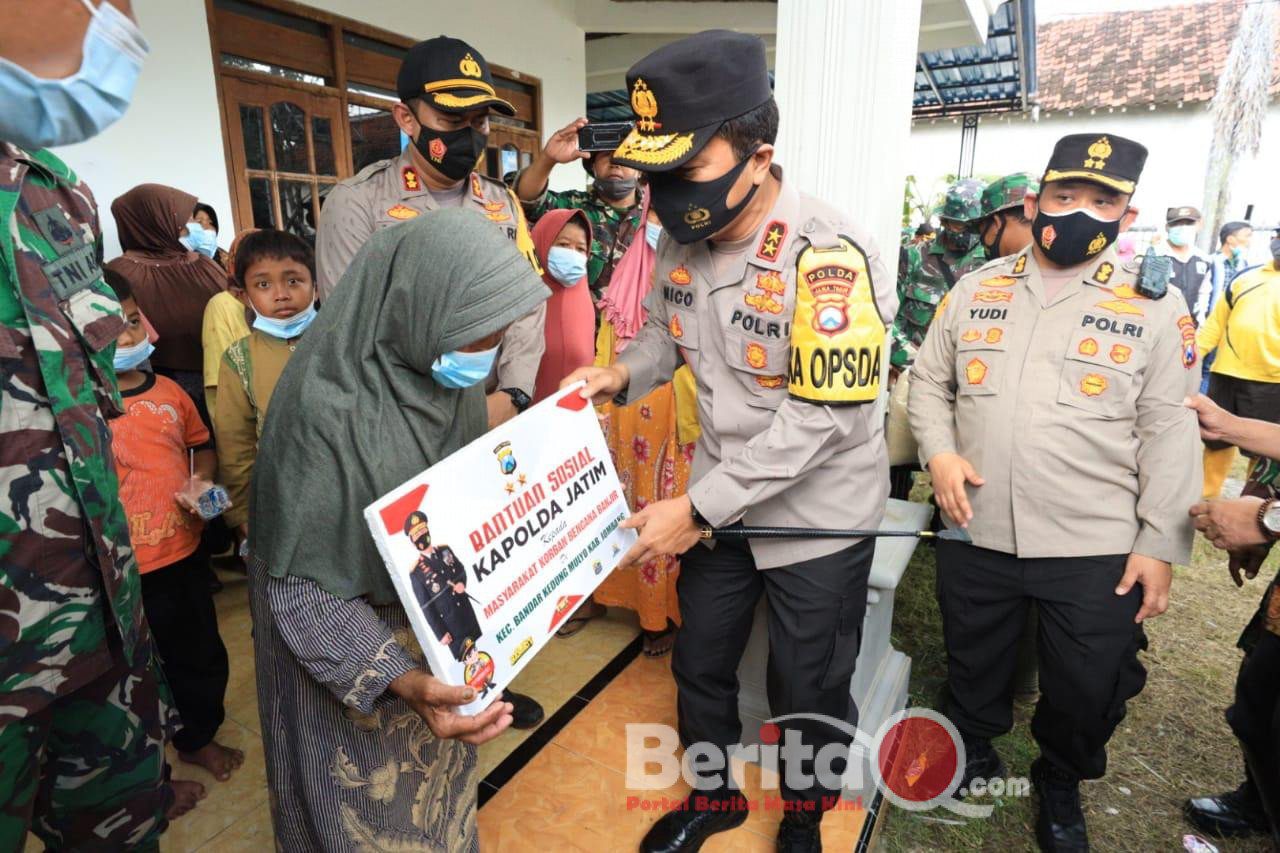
{"x":1009,"y":191}
{"x":963,"y":201}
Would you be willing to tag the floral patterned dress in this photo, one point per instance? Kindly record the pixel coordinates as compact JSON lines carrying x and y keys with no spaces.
{"x":653,"y":465}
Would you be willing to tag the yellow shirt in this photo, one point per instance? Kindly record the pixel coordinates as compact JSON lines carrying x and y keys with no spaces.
{"x":224,"y":324}
{"x":1245,"y":330}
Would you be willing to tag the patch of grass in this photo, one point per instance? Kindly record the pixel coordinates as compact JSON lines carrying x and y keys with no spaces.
{"x":1173,"y":744}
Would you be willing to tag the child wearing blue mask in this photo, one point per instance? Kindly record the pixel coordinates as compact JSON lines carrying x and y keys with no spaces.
{"x":277,"y":273}
{"x":162,"y":456}
{"x":562,"y":239}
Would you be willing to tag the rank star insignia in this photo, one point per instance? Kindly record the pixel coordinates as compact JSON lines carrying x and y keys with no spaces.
{"x":771,"y":242}
{"x":1088,"y":347}
{"x":1093,"y":384}
{"x":975,"y":372}
{"x":1103,"y":273}
{"x":757,"y":357}
{"x":410,"y":178}
{"x":1020,"y":265}
{"x":510,"y":487}
{"x":992,"y":296}
{"x":680,"y":276}
{"x":1121,"y":353}
{"x":999,"y":281}
{"x":401,"y":212}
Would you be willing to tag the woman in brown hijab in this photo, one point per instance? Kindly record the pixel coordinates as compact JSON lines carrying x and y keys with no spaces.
{"x":170,"y":284}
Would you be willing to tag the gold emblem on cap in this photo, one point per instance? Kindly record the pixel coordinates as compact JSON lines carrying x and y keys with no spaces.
{"x":1099,"y":152}
{"x":469,"y":67}
{"x":645,"y":106}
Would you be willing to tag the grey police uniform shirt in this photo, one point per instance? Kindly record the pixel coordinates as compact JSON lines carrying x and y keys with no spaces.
{"x":390,"y":192}
{"x":763,"y":457}
{"x":1071,"y":411}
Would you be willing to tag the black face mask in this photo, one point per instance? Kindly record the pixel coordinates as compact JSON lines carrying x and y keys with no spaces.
{"x":958,"y":241}
{"x":613,"y":189}
{"x":454,"y":153}
{"x":694,"y":210}
{"x":992,"y":250}
{"x":1072,"y":238}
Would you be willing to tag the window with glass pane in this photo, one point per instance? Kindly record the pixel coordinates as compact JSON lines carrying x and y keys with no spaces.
{"x":289,"y":136}
{"x":264,"y":211}
{"x":322,"y":145}
{"x":255,"y":144}
{"x":296,"y":211}
{"x":374,"y":136}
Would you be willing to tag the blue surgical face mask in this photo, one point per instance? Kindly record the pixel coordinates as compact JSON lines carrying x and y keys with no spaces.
{"x":200,"y":239}
{"x":1237,"y":252}
{"x":40,"y":113}
{"x":128,"y":358}
{"x":652,"y":231}
{"x":288,"y":328}
{"x":463,"y":369}
{"x":1182,"y":235}
{"x":567,"y":266}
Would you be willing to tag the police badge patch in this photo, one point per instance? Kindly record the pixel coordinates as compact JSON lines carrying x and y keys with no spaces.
{"x":837,"y":336}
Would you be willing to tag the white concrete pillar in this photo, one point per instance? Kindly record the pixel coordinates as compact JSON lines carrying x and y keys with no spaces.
{"x":844,"y":79}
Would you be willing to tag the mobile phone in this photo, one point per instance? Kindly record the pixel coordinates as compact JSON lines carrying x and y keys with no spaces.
{"x":603,"y":136}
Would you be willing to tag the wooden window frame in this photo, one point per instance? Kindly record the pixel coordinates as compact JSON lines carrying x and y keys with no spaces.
{"x":337,"y":25}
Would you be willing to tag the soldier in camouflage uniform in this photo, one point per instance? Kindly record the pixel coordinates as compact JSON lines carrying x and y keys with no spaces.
{"x":926,"y":273}
{"x":1003,"y":227}
{"x":612,"y":204}
{"x":81,"y":707}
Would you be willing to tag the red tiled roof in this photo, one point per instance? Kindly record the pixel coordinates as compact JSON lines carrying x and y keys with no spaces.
{"x":1153,"y":56}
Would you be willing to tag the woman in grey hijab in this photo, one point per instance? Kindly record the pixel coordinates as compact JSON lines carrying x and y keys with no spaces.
{"x":364,"y":749}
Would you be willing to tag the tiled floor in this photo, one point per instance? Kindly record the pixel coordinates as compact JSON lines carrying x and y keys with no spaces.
{"x":572,"y":795}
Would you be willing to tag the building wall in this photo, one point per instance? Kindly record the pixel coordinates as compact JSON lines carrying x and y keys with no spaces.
{"x":172,"y":133}
{"x":1178,"y":141}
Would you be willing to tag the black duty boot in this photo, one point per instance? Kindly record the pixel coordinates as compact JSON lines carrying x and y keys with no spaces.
{"x":800,"y":832}
{"x":981,"y":762}
{"x":1231,"y":815}
{"x":526,"y":712}
{"x":1060,"y":826}
{"x":687,"y":829}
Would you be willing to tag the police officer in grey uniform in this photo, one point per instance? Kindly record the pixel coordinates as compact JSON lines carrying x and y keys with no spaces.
{"x":1047,"y":402}
{"x":780,"y":306}
{"x":446,"y":93}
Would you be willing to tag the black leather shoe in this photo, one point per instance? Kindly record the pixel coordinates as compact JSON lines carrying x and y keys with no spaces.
{"x":527,"y":713}
{"x":800,"y":833}
{"x":685,"y":830}
{"x":1060,"y":826}
{"x":1231,"y":815}
{"x":981,"y":761}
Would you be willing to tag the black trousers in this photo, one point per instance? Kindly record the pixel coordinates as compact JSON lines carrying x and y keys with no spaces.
{"x":180,"y":610}
{"x":1254,"y":717}
{"x":1087,"y":640}
{"x":815,"y":629}
{"x":1245,"y":398}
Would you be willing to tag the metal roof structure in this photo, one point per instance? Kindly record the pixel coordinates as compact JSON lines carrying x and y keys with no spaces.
{"x":994,"y":77}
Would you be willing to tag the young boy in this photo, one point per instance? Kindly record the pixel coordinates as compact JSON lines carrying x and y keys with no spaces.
{"x":161,"y":446}
{"x":276,"y":270}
